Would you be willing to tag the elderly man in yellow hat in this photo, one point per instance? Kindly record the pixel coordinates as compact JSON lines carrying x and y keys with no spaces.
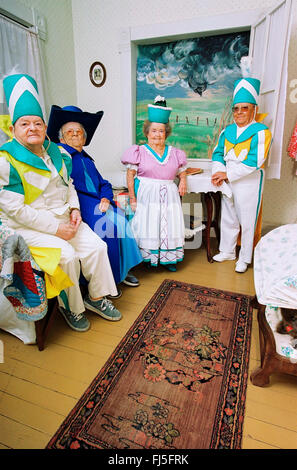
{"x":239,"y":159}
{"x":38,"y":200}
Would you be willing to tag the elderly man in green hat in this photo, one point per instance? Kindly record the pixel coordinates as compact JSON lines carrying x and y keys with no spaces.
{"x":239,"y":159}
{"x":38,"y":200}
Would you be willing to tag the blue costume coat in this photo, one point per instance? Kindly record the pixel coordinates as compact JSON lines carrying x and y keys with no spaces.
{"x":112,"y":226}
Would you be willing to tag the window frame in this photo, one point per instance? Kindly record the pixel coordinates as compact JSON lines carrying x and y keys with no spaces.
{"x":130,"y":38}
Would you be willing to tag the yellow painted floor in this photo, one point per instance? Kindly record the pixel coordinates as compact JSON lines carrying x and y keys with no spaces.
{"x":38,"y":389}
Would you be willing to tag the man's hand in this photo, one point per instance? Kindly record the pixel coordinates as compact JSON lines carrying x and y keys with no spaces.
{"x":66,"y":231}
{"x":218,"y":178}
{"x":104,"y":204}
{"x":75,"y":218}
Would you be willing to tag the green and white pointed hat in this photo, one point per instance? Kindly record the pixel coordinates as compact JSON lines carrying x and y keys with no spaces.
{"x":22,"y":97}
{"x":246,"y":90}
{"x":159,"y":112}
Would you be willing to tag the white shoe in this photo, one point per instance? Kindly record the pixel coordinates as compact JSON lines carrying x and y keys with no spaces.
{"x":241,"y":267}
{"x":223,"y":257}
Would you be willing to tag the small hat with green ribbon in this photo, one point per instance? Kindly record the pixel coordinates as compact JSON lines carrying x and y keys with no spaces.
{"x":159,"y":112}
{"x":246,"y":90}
{"x":22,"y":97}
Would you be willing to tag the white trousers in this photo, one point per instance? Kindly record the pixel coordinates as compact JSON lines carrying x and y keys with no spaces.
{"x":241,"y":212}
{"x":86,"y":252}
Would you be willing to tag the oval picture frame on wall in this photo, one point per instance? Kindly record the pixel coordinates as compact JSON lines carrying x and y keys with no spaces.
{"x":97,"y":74}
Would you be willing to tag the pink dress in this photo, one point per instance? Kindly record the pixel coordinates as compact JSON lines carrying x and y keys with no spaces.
{"x":158,"y":223}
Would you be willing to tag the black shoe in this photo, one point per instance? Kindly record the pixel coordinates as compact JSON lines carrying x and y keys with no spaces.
{"x":131,"y":280}
{"x":117,"y":296}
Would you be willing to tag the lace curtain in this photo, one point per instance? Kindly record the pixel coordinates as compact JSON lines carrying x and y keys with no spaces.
{"x":20,"y":53}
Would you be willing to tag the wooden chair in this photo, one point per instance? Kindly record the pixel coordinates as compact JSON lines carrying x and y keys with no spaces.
{"x":271,"y":361}
{"x":43,"y":326}
{"x":275,"y":277}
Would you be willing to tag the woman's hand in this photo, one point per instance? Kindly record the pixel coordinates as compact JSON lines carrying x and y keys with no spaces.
{"x":104,"y":204}
{"x":133,"y":203}
{"x":130,"y":184}
{"x":182,"y":187}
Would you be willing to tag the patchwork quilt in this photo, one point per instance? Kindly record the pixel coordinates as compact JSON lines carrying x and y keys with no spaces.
{"x":21,"y":280}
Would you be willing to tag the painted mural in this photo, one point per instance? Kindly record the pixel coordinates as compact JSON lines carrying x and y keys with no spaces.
{"x":196,"y":77}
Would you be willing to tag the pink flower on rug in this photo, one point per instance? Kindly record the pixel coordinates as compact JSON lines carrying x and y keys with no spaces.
{"x":149,"y":346}
{"x":75,"y":445}
{"x":228,"y":411}
{"x":234,"y":381}
{"x":218,"y":367}
{"x":154,"y":373}
{"x":190,"y":344}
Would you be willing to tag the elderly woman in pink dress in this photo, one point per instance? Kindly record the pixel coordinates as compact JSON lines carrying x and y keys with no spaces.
{"x":158,"y":223}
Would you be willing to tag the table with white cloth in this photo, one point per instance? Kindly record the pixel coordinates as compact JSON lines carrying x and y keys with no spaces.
{"x":201,"y":183}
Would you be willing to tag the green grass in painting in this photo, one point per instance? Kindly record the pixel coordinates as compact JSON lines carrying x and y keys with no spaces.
{"x":196,"y":124}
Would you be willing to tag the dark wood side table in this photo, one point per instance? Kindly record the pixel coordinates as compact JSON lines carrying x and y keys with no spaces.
{"x":213,"y":209}
{"x":211,"y":197}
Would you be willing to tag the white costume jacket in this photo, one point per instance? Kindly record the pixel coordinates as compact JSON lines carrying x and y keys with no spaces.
{"x":241,"y":153}
{"x":24,"y":178}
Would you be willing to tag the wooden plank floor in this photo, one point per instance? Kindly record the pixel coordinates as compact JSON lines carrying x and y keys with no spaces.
{"x":38,"y":389}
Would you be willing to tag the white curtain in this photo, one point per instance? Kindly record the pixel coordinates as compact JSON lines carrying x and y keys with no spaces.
{"x":269,"y":51}
{"x":20,"y":53}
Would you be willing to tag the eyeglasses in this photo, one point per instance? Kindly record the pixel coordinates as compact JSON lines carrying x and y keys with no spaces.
{"x":240,"y":109}
{"x":71,"y":132}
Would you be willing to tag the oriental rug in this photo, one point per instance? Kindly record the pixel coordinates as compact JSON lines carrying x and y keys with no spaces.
{"x":177,"y":380}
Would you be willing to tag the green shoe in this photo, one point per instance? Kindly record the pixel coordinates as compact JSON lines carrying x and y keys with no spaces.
{"x":171,"y":267}
{"x":104,"y":308}
{"x":76,"y":321}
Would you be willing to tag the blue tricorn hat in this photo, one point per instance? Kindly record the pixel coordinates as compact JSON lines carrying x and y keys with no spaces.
{"x":246,"y":90}
{"x":60,"y":116}
{"x":159,"y":112}
{"x":22,"y":97}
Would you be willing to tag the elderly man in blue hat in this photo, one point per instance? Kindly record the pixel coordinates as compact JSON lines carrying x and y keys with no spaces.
{"x":39,"y":201}
{"x":73,"y":129}
{"x":239,"y":159}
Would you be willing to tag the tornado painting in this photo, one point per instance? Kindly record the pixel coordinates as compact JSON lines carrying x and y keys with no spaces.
{"x":196,"y":77}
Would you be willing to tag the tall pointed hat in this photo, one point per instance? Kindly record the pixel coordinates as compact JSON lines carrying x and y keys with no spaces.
{"x":22,"y":97}
{"x":246,"y":90}
{"x":159,"y":112}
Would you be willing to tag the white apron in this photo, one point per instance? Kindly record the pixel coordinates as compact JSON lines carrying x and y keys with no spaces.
{"x":158,"y":223}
